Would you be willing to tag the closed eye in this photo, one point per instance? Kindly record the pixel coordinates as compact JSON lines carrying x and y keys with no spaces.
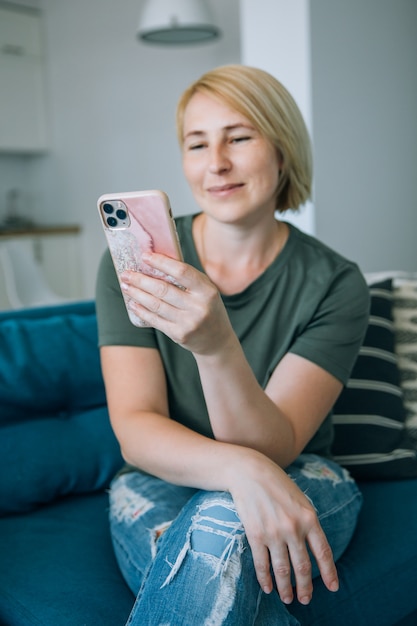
{"x":240,"y":139}
{"x":196,"y":146}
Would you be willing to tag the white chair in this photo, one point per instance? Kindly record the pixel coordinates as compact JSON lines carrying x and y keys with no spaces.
{"x":26,"y":285}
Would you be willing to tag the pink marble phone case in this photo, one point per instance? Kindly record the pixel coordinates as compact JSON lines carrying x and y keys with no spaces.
{"x":134,"y":223}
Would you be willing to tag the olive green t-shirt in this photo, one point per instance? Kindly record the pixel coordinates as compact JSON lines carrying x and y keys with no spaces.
{"x":310,"y":301}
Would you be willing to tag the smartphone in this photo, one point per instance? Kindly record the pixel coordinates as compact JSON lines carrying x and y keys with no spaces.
{"x":136,"y":222}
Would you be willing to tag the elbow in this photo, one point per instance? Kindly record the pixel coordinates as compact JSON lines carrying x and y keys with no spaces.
{"x":127,"y":455}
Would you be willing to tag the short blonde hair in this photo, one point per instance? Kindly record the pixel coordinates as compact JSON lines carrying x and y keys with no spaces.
{"x":267,"y":104}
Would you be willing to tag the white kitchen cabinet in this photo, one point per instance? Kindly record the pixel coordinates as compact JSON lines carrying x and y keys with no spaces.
{"x":23,"y":127}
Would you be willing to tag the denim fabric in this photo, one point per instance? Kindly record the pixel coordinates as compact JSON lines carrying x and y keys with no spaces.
{"x":185,"y":554}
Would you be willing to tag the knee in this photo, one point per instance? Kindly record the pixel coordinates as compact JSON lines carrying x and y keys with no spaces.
{"x":216,"y":529}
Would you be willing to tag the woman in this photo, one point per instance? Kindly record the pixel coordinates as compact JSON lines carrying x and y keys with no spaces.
{"x":229,"y":500}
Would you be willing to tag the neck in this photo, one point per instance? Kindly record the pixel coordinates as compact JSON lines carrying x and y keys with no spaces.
{"x":233,"y":257}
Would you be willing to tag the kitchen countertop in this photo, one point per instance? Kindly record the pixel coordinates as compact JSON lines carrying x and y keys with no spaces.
{"x":39,"y":229}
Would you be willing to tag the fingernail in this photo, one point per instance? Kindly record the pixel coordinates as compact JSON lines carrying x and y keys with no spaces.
{"x":305,"y":600}
{"x":124,"y":286}
{"x":146,"y":256}
{"x":334,"y":586}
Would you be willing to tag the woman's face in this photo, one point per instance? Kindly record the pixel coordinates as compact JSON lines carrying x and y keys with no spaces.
{"x":233,"y":170}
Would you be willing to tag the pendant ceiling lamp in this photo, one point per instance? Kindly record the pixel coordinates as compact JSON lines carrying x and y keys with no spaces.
{"x":174,"y":22}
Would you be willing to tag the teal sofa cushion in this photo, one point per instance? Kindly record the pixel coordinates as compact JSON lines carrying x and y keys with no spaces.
{"x":57,"y":567}
{"x":55,"y":433}
{"x":49,"y":362}
{"x":45,"y":458}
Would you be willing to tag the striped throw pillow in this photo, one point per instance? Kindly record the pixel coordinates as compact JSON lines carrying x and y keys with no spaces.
{"x":371,"y":440}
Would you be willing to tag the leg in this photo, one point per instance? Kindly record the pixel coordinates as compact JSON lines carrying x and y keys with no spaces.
{"x":142,"y":507}
{"x":203,"y":572}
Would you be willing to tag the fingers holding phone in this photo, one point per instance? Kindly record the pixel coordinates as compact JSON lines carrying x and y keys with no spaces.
{"x":188,"y":308}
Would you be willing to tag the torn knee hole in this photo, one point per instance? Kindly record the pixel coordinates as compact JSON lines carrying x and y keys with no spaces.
{"x":217,"y":536}
{"x":216,"y":529}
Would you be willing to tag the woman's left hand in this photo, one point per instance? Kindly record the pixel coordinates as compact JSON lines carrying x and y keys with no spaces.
{"x":193,"y":316}
{"x":281,"y":524}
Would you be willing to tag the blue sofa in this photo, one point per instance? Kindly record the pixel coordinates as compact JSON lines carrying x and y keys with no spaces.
{"x":57,"y":457}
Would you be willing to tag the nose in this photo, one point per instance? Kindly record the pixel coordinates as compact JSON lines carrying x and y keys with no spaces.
{"x":219,"y":162}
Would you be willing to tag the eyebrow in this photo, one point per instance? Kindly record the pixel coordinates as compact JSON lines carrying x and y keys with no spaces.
{"x":228,"y":128}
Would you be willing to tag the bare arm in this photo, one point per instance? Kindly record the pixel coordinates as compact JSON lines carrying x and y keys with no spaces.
{"x":149,"y":439}
{"x":267,"y":500}
{"x":278,"y":421}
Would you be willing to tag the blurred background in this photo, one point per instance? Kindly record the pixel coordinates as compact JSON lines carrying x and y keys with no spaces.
{"x":89,"y":109}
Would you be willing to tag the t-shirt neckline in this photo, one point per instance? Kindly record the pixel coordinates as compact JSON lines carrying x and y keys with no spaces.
{"x":276,"y":266}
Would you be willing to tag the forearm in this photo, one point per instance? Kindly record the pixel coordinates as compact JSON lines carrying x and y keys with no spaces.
{"x":171,"y":451}
{"x":239,"y":409}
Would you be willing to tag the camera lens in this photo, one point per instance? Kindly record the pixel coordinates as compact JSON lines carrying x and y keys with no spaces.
{"x":108,"y":208}
{"x":112,"y":222}
{"x":121,"y":214}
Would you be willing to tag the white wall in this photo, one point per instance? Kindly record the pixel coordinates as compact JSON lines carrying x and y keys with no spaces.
{"x":364,"y":60}
{"x":276,"y":38}
{"x":111,"y":107}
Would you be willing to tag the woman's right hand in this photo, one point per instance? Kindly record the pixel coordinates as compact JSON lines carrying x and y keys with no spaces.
{"x":280,"y":522}
{"x":193,"y":316}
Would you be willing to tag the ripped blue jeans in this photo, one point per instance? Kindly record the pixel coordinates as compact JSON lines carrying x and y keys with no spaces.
{"x":184,"y":552}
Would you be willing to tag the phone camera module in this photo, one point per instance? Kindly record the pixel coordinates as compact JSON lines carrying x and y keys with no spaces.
{"x":115,"y":214}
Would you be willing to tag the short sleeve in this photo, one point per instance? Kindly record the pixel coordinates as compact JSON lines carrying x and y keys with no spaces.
{"x":114,"y":326}
{"x":335,"y":332}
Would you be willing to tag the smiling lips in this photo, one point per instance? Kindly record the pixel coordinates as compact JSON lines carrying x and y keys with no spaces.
{"x":224,"y":189}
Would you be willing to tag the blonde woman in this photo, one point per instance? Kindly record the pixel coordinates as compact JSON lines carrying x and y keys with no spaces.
{"x":229,"y":504}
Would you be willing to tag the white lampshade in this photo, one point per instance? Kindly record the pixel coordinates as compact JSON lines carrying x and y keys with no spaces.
{"x":176,"y":22}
